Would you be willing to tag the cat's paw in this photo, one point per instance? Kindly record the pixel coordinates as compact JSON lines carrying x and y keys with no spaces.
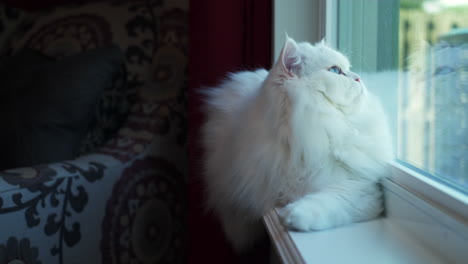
{"x":302,"y":216}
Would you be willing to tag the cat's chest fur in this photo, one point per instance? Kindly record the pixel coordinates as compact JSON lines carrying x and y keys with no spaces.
{"x":315,"y":150}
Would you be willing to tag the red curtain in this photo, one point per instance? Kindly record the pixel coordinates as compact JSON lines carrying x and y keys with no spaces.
{"x":225,"y":36}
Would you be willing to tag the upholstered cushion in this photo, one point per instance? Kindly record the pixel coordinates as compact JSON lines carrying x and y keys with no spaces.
{"x":110,"y":115}
{"x":47,"y":105}
{"x":70,"y":29}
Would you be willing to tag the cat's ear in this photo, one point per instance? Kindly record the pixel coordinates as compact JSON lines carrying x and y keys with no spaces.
{"x":290,"y":59}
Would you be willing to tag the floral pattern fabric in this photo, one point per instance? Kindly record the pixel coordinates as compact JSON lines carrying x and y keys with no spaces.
{"x":124,"y":199}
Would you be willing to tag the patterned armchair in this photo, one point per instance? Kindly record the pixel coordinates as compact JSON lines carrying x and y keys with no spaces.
{"x":123,"y":200}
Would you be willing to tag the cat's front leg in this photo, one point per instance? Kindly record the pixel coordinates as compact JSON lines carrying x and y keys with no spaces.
{"x":348,"y":202}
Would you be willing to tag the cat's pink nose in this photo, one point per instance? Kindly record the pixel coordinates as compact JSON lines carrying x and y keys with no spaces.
{"x":357,"y":80}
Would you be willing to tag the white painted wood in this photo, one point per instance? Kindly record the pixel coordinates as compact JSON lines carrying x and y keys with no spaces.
{"x":331,"y":23}
{"x":452,"y":201}
{"x":442,"y":232}
{"x":302,"y":20}
{"x":377,"y":241}
{"x":285,"y":250}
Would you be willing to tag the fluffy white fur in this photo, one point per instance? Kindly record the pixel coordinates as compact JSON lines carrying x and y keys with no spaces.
{"x":299,"y":137}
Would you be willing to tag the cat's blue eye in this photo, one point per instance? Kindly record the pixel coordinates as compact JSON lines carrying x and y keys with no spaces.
{"x":335,"y":69}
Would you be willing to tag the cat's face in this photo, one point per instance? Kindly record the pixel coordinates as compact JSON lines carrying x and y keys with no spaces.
{"x":317,"y":70}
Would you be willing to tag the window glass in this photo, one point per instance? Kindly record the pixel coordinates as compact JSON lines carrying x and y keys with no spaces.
{"x":414,"y":55}
{"x":433,"y":95}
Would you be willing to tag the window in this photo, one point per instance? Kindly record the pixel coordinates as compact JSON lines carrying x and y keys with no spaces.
{"x":433,"y":108}
{"x":414,"y":54}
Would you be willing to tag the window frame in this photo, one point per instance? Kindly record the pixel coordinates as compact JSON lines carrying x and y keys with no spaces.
{"x":451,"y":201}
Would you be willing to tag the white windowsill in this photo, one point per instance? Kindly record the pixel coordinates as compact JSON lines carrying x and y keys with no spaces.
{"x":378,"y":241}
{"x":414,"y":230}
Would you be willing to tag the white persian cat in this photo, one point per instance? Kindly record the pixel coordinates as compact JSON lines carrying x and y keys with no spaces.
{"x":306,"y":136}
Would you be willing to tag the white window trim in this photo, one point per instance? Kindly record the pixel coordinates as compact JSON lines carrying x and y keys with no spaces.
{"x":405,"y":188}
{"x":449,"y":200}
{"x":303,"y":20}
